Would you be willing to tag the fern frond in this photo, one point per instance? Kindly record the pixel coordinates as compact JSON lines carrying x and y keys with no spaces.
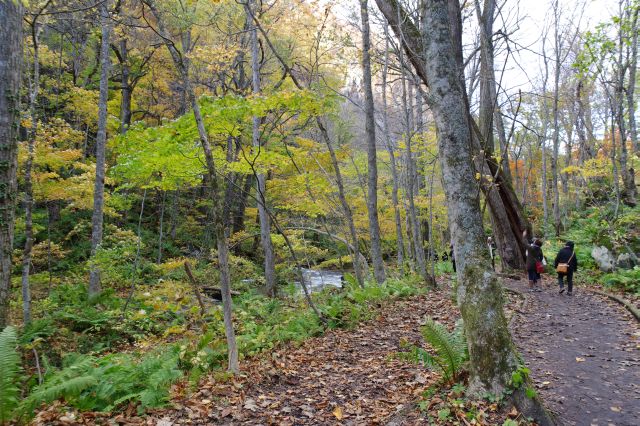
{"x":450,"y":347}
{"x":50,"y":392}
{"x":9,"y":371}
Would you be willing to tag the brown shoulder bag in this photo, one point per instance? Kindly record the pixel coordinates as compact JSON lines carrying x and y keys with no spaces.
{"x":563,"y":268}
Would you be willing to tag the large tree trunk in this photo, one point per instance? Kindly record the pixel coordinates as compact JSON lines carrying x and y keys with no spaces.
{"x":370,"y":130}
{"x":265,"y":225}
{"x":10,"y":66}
{"x":492,"y":354}
{"x":182,"y":65}
{"x":392,"y":158}
{"x":101,"y":138}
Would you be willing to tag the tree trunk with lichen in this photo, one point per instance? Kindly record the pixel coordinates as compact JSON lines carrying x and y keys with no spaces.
{"x":10,"y":65}
{"x":493,"y":357}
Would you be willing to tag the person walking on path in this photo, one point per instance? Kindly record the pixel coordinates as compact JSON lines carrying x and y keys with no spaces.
{"x":566,"y":264}
{"x":534,"y":264}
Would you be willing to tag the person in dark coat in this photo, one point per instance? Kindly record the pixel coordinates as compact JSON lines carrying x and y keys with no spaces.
{"x":534,"y":255}
{"x":452,"y":257}
{"x":566,"y":255}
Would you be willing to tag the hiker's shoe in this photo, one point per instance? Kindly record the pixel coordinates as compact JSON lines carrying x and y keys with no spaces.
{"x":569,"y":293}
{"x":562,"y":291}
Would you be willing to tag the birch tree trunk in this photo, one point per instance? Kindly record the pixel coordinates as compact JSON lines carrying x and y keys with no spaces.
{"x":10,"y":66}
{"x":370,"y":130}
{"x":492,"y":354}
{"x":97,"y":217}
{"x":265,"y":225}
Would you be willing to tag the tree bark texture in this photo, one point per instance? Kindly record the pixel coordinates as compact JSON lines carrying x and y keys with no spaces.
{"x":10,"y":66}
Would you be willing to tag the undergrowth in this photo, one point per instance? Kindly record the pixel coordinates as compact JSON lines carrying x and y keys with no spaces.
{"x":99,"y":380}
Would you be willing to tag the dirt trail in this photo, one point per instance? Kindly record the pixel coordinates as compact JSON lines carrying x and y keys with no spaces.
{"x":583,"y":352}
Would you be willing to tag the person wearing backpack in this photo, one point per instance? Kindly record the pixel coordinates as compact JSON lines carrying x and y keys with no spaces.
{"x":534,"y":264}
{"x":566,"y":264}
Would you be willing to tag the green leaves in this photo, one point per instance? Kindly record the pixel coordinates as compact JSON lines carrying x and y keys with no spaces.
{"x":170,"y":155}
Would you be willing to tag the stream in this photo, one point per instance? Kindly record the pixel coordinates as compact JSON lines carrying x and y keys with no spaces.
{"x":317,"y":280}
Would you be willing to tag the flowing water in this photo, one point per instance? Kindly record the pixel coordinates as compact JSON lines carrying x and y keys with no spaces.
{"x":316,"y":280}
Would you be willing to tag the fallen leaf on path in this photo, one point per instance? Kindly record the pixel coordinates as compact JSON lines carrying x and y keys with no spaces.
{"x":616,"y":409}
{"x":578,"y":359}
{"x":338,"y":413}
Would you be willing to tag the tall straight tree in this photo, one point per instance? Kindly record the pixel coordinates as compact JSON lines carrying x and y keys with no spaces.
{"x":97,"y":219}
{"x":10,"y":65}
{"x":265,"y":225}
{"x":181,"y":62}
{"x":436,"y":56}
{"x":370,"y":130}
{"x":392,"y":157}
{"x":28,"y":184}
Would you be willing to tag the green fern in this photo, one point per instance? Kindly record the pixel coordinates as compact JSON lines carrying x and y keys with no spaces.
{"x":68,"y":383}
{"x":9,"y":371}
{"x":450,"y":350}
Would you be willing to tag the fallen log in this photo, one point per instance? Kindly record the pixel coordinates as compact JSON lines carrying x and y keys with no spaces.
{"x":630,"y":307}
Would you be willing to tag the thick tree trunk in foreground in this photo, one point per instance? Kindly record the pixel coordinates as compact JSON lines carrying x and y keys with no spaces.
{"x":182,"y":65}
{"x":101,"y":140}
{"x":10,"y":65}
{"x":370,"y":130}
{"x":492,"y":353}
{"x":265,"y":225}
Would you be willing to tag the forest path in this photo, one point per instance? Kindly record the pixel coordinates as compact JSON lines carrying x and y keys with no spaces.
{"x":583,"y":352}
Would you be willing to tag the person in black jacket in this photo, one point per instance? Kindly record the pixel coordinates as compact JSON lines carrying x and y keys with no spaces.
{"x":534,"y":255}
{"x":566,"y":255}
